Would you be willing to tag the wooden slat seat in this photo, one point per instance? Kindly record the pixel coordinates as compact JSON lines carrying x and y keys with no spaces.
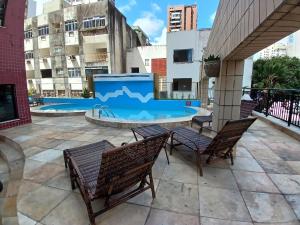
{"x":221,"y":145}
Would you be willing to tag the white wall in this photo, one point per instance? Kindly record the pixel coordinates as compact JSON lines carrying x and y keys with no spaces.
{"x":136,"y":57}
{"x":195,"y":40}
{"x":248,"y":69}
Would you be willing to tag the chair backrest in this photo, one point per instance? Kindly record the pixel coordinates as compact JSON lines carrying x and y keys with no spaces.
{"x":247,"y":107}
{"x":229,"y":135}
{"x":126,"y":166}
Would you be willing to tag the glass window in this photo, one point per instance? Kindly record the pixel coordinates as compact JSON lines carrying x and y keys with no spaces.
{"x":74,"y":72}
{"x":135,"y":69}
{"x":57,"y":50}
{"x":59,"y":71}
{"x":44,"y":30}
{"x":29,"y":55}
{"x":71,"y":25}
{"x":96,"y":21}
{"x":183,"y":56}
{"x":183,"y":84}
{"x":2,"y":12}
{"x":8,"y":110}
{"x":46,"y":73}
{"x":28,"y":34}
{"x":147,"y":62}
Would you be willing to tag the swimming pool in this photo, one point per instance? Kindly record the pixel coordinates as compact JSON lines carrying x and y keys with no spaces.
{"x":126,"y":113}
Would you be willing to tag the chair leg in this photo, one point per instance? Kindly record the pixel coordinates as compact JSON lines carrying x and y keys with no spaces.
{"x":167,"y":154}
{"x":65,"y":159}
{"x":172,"y":144}
{"x":152,"y":185}
{"x":231,"y":157}
{"x":198,"y":155}
{"x":72,"y":177}
{"x":91,"y":213}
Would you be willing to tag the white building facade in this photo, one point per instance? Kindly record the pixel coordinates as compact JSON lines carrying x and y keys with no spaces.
{"x":139,"y":59}
{"x":184,"y":62}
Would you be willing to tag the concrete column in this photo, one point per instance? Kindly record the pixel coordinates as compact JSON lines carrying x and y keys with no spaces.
{"x":204,"y":92}
{"x":228,"y":92}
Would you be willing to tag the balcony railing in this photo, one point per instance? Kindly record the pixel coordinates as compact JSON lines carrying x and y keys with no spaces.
{"x":169,"y":90}
{"x":96,"y":57}
{"x":283,"y":104}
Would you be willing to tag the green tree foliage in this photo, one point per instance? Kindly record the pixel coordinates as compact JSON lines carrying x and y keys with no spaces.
{"x":277,"y":72}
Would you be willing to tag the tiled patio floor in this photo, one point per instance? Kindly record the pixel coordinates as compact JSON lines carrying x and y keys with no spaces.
{"x":263,"y":187}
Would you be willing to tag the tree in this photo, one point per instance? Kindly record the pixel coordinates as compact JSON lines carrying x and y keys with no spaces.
{"x":277,"y":72}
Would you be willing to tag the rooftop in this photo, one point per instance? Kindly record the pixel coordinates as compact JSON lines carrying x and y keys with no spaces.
{"x":262,"y":186}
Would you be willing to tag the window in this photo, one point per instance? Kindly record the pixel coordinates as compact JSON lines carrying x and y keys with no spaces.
{"x":95,"y":21}
{"x":183,"y":84}
{"x":57,"y":50}
{"x":29,"y":55}
{"x":147,"y":62}
{"x":183,"y":56}
{"x":8,"y":109}
{"x":44,"y":30}
{"x":71,"y":25}
{"x":2,"y":12}
{"x":135,"y":70}
{"x":46,"y":73}
{"x":59,"y":71}
{"x":28,"y":34}
{"x":74,"y":72}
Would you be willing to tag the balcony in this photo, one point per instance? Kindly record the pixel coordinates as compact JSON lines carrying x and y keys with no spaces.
{"x":96,"y":57}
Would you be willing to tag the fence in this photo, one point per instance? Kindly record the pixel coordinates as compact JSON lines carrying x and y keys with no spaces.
{"x":283,"y":104}
{"x":171,"y":90}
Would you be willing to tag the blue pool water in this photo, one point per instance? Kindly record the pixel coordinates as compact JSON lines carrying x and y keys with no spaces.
{"x":131,"y":113}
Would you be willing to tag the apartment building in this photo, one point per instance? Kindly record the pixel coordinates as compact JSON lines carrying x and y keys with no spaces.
{"x":275,"y":50}
{"x":184,"y":62}
{"x":68,"y":44}
{"x":182,"y":17}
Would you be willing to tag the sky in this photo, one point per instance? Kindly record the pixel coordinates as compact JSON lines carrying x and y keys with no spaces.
{"x":151,"y":15}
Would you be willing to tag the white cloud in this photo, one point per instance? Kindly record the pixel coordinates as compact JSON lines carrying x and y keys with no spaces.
{"x":212,"y":17}
{"x":150,"y":24}
{"x":127,"y":8}
{"x":162,"y":39}
{"x":155,"y":7}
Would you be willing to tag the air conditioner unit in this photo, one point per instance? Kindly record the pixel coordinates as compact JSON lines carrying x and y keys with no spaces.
{"x":72,"y":57}
{"x":28,"y":61}
{"x":45,"y":60}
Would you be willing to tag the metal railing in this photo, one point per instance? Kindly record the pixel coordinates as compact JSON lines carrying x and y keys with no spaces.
{"x":170,"y":90}
{"x":283,"y":104}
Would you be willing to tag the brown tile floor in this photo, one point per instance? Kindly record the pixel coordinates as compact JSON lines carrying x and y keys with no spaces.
{"x":263,"y":187}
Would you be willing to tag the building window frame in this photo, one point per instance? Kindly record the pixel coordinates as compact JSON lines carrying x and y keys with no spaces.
{"x":93,"y":22}
{"x":43,"y":30}
{"x":182,"y":84}
{"x":29,"y":55}
{"x":183,"y":55}
{"x":59,"y":72}
{"x":147,"y":62}
{"x":71,"y":25}
{"x":74,"y":72}
{"x":3,"y":6}
{"x":28,"y":34}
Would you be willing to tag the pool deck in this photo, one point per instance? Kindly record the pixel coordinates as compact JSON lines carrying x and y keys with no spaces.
{"x":262,"y":188}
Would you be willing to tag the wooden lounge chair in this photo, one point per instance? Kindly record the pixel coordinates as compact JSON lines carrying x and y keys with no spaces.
{"x":113,"y":173}
{"x":200,"y":120}
{"x":221,"y":145}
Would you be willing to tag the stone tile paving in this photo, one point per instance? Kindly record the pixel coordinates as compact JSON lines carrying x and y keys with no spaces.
{"x":263,"y":187}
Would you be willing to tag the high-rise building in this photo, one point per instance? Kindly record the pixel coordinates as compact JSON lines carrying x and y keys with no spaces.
{"x":182,"y":17}
{"x":67,"y":45}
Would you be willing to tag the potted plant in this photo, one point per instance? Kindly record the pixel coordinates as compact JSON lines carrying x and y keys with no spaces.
{"x":85,"y":93}
{"x":212,"y":66}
